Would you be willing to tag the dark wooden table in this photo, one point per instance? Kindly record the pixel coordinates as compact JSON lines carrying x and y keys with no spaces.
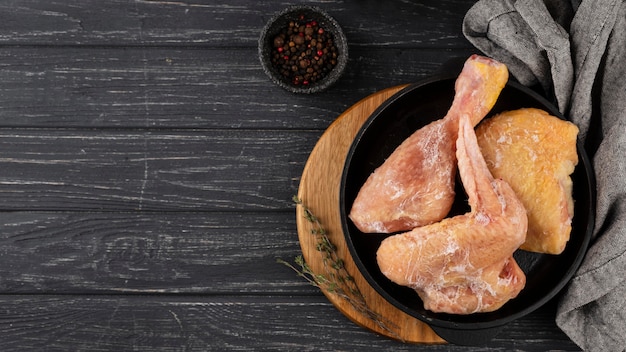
{"x":147,"y":169}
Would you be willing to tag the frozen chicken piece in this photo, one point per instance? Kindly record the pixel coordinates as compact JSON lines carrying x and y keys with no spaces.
{"x":415,"y":185}
{"x":536,"y":154}
{"x":463,"y":264}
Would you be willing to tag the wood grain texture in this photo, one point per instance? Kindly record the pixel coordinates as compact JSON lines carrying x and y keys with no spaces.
{"x":147,"y":166}
{"x":156,"y":171}
{"x":151,"y":253}
{"x":184,"y":88}
{"x":428,"y":23}
{"x":208,"y":323}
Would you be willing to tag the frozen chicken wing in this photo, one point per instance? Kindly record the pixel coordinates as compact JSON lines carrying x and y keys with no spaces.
{"x":463,"y":264}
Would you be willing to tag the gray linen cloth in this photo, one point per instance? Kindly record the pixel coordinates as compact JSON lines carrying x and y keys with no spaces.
{"x":576,"y":51}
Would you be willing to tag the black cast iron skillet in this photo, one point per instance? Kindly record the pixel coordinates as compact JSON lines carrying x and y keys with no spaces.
{"x":407,"y":111}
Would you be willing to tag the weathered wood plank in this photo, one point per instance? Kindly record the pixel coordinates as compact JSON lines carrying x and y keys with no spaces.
{"x":185,"y":88}
{"x":148,"y":165}
{"x":222,"y":23}
{"x":196,"y":323}
{"x":149,"y":253}
{"x":93,"y":170}
{"x":172,"y":254}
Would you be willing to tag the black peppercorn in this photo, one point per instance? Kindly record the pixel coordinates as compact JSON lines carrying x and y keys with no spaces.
{"x":304,"y":52}
{"x":279,"y":41}
{"x":298,"y":39}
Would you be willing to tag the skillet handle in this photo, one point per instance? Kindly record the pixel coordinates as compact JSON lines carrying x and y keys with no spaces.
{"x":467,"y":337}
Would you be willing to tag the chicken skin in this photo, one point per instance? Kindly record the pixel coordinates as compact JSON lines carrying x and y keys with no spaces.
{"x":463,"y":264}
{"x":536,"y":154}
{"x":415,"y":185}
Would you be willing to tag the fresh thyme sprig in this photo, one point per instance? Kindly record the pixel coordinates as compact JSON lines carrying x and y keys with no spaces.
{"x":336,"y":279}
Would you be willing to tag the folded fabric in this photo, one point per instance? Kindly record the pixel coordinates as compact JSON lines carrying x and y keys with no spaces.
{"x":576,"y":51}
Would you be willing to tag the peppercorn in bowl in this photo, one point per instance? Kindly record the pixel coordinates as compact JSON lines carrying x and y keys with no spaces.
{"x":303,"y":50}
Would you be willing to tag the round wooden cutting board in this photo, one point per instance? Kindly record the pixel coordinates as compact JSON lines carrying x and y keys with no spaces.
{"x":319,"y":192}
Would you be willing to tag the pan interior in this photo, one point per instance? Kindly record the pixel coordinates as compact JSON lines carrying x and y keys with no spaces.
{"x":392,"y":123}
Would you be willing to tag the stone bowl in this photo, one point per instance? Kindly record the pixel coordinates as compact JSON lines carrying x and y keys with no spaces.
{"x":306,"y":14}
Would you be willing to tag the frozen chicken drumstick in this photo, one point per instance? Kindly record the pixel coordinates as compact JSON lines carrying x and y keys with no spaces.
{"x":415,"y":185}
